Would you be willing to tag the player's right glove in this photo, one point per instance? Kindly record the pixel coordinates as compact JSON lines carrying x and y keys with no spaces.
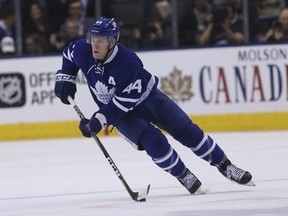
{"x":85,"y":128}
{"x":94,"y":124}
{"x":65,"y":85}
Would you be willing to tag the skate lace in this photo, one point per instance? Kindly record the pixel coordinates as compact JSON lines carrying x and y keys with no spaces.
{"x":234,"y":172}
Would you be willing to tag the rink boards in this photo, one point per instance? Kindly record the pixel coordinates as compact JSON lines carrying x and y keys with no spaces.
{"x":222,"y":89}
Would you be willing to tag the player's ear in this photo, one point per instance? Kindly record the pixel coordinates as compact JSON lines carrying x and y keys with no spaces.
{"x":113,"y":43}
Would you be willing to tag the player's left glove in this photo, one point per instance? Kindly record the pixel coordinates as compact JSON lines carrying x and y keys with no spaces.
{"x":94,"y":124}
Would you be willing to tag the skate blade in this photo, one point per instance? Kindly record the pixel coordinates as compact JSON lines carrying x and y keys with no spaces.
{"x":250,"y":183}
{"x":199,"y":191}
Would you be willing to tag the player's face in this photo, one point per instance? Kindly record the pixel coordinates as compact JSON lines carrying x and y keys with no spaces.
{"x":100,"y":47}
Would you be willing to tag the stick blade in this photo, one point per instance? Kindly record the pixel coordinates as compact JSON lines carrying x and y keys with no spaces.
{"x":141,"y":196}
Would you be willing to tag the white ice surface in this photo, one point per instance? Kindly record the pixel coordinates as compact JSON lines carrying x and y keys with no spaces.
{"x":71,"y":177}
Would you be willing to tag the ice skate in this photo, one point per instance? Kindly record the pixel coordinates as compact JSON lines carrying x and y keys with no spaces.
{"x":235,"y":174}
{"x":191,"y":183}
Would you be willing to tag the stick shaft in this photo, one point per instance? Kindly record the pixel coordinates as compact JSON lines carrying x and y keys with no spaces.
{"x":134,"y":195}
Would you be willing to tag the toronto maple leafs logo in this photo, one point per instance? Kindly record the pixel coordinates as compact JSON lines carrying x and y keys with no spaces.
{"x":102,"y":92}
{"x":178,"y":88}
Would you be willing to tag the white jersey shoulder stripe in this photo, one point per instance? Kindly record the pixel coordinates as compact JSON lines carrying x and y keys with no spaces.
{"x":120,"y":106}
{"x":69,"y":55}
{"x":126,"y":99}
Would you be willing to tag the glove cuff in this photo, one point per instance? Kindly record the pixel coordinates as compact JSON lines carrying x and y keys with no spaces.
{"x":102,"y":119}
{"x":65,"y":77}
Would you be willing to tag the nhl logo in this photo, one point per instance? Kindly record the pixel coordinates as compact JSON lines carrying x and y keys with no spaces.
{"x":12,"y":90}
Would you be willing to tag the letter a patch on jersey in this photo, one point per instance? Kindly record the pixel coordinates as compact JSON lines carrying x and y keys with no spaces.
{"x":111,"y":81}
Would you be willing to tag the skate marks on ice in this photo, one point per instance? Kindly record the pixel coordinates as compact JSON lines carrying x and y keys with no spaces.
{"x":233,"y":212}
{"x":234,"y":201}
{"x":221,"y":200}
{"x":71,"y":177}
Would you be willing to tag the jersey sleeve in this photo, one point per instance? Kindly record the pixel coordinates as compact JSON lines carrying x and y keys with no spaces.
{"x":71,"y":56}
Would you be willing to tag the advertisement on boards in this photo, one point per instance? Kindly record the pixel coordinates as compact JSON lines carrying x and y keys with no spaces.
{"x":246,"y":79}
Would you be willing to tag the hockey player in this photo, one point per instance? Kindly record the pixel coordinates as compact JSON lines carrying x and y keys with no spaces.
{"x":128,"y":99}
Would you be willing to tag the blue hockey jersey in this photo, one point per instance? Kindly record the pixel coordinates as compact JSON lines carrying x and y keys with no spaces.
{"x":118,"y":85}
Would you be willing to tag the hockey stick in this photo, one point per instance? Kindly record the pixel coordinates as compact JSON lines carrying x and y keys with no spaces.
{"x":137,"y":196}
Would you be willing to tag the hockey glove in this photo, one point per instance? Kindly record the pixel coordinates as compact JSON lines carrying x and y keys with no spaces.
{"x":65,"y":85}
{"x":86,"y":126}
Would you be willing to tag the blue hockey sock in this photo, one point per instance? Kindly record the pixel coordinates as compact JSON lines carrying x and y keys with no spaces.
{"x":200,"y":143}
{"x":161,"y":152}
